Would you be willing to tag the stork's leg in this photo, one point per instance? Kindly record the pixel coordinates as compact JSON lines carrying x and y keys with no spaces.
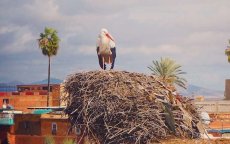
{"x":113,"y":50}
{"x":103,"y":62}
{"x":109,"y":60}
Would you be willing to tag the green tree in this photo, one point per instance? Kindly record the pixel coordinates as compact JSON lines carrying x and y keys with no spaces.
{"x":49,"y":140}
{"x":169,"y":71}
{"x":227,"y":52}
{"x":49,"y":44}
{"x":68,"y":141}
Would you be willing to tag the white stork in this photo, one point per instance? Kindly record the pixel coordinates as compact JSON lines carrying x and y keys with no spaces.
{"x":106,"y":50}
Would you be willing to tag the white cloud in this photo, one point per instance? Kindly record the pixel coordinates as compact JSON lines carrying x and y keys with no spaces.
{"x":21,"y":41}
{"x":86,"y":50}
{"x":45,"y":10}
{"x":154,"y":50}
{"x":8,"y":29}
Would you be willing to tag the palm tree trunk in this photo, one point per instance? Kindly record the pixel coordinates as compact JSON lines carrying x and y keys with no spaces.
{"x":48,"y":83}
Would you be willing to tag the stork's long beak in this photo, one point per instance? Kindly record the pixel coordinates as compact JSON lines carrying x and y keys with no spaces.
{"x":109,"y":36}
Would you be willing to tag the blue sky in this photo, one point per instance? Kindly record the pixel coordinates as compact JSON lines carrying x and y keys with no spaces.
{"x":194,"y":33}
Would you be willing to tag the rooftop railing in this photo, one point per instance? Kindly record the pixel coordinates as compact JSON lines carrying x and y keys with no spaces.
{"x":23,"y":93}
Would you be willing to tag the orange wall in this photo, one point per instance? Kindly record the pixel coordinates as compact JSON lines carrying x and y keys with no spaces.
{"x":62,"y":129}
{"x":16,"y":137}
{"x":3,"y":132}
{"x":45,"y":124}
{"x":23,"y":100}
{"x":62,"y":126}
{"x":34,"y":124}
{"x":56,"y":95}
{"x":221,"y":116}
{"x":26,"y":139}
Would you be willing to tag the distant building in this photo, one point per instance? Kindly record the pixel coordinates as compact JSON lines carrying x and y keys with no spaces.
{"x":25,"y":119}
{"x":35,"y":128}
{"x":216,"y":107}
{"x":227,"y":89}
{"x":30,"y":96}
{"x":199,"y":98}
{"x":219,"y":112}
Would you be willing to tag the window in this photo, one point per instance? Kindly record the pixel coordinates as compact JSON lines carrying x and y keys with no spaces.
{"x":6,"y":104}
{"x":54,"y":128}
{"x":46,"y":88}
{"x":5,"y":101}
{"x":19,"y":89}
{"x":26,"y":125}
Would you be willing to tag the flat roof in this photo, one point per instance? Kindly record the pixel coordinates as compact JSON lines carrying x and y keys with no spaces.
{"x":52,"y":107}
{"x":54,"y":116}
{"x":37,"y":84}
{"x":10,"y":111}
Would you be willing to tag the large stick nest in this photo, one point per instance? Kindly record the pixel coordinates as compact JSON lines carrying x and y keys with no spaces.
{"x":124,"y":107}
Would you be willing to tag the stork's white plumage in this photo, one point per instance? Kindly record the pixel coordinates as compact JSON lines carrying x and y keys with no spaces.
{"x":105,"y":42}
{"x":106,"y":48}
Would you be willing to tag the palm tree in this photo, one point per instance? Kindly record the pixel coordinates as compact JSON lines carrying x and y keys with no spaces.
{"x":227,"y":52}
{"x":169,"y":72}
{"x":49,"y":44}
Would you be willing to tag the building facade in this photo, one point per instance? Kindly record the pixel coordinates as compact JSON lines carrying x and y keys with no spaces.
{"x":30,"y":96}
{"x":37,"y":128}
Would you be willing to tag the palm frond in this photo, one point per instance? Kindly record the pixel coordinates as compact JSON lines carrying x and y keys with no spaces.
{"x":227,"y":51}
{"x":49,"y":42}
{"x":169,"y":71}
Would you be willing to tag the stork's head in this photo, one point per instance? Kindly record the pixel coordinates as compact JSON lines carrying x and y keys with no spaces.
{"x":106,"y":33}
